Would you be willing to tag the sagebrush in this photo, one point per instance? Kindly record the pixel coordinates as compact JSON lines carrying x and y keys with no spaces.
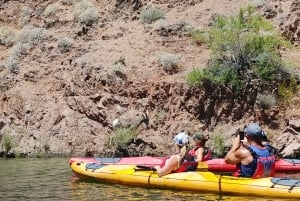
{"x":244,"y":48}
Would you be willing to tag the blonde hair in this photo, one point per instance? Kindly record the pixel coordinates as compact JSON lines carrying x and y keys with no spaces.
{"x":182,"y":151}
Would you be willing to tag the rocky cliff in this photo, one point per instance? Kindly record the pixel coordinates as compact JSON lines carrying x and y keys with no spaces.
{"x":67,"y":74}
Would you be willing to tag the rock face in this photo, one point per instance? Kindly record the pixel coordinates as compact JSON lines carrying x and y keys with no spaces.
{"x":291,"y":27}
{"x":286,"y":16}
{"x":289,"y":141}
{"x":64,"y":103}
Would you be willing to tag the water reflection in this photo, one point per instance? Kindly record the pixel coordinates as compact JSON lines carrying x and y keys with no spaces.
{"x":52,"y":180}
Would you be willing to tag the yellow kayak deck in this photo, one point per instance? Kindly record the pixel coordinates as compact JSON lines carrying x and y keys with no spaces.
{"x":200,"y":181}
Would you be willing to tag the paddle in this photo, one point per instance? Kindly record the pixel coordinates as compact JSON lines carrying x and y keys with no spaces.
{"x":143,"y":168}
{"x":202,"y":166}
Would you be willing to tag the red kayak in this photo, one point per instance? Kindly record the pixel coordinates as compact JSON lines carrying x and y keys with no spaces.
{"x":213,"y":165}
{"x":143,"y":160}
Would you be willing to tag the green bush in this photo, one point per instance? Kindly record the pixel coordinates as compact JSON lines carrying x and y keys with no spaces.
{"x":286,"y":90}
{"x":198,"y":36}
{"x":194,"y":77}
{"x":218,"y":145}
{"x":243,"y":48}
{"x":151,"y":14}
{"x":122,"y":136}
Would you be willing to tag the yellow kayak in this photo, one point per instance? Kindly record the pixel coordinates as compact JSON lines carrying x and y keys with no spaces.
{"x":200,"y":181}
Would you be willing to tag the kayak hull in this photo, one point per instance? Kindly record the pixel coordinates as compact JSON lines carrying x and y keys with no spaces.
{"x":200,"y":181}
{"x":214,"y":165}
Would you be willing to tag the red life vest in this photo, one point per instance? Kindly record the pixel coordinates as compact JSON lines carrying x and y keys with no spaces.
{"x":187,"y":166}
{"x":207,"y":153}
{"x":265,"y":165}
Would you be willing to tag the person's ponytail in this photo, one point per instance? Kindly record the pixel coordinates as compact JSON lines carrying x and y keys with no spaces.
{"x":182,"y":151}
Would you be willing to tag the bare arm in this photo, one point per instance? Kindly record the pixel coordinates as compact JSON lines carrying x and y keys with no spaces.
{"x":233,"y":156}
{"x":200,"y":154}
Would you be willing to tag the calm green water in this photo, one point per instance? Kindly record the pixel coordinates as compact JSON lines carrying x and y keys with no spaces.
{"x":52,"y":179}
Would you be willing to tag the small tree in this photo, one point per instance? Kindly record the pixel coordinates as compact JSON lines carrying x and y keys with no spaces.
{"x":122,"y":137}
{"x":243,"y":48}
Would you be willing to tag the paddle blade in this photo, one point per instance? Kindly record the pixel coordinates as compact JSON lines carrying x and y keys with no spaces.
{"x":202,"y":166}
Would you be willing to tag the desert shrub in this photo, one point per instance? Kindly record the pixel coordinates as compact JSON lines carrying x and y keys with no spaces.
{"x":12,"y":65}
{"x":243,"y":48}
{"x":7,"y":36}
{"x":258,"y":3}
{"x":50,"y":10}
{"x":119,"y":67}
{"x":31,"y":35}
{"x":67,"y":2}
{"x":24,"y":16}
{"x":85,"y":12}
{"x":25,"y":39}
{"x":267,"y":101}
{"x":15,"y":54}
{"x":121,"y":61}
{"x":18,"y":50}
{"x":122,"y":136}
{"x":7,"y":143}
{"x":159,"y":117}
{"x":218,"y":144}
{"x":287,"y":89}
{"x":198,"y":36}
{"x":151,"y":14}
{"x":65,"y":44}
{"x":169,"y":61}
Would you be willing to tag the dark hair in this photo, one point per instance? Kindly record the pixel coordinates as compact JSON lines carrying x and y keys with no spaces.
{"x":255,"y":138}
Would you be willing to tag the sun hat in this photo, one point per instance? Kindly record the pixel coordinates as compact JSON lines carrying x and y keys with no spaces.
{"x":199,"y":136}
{"x":181,"y":138}
{"x":253,"y":129}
